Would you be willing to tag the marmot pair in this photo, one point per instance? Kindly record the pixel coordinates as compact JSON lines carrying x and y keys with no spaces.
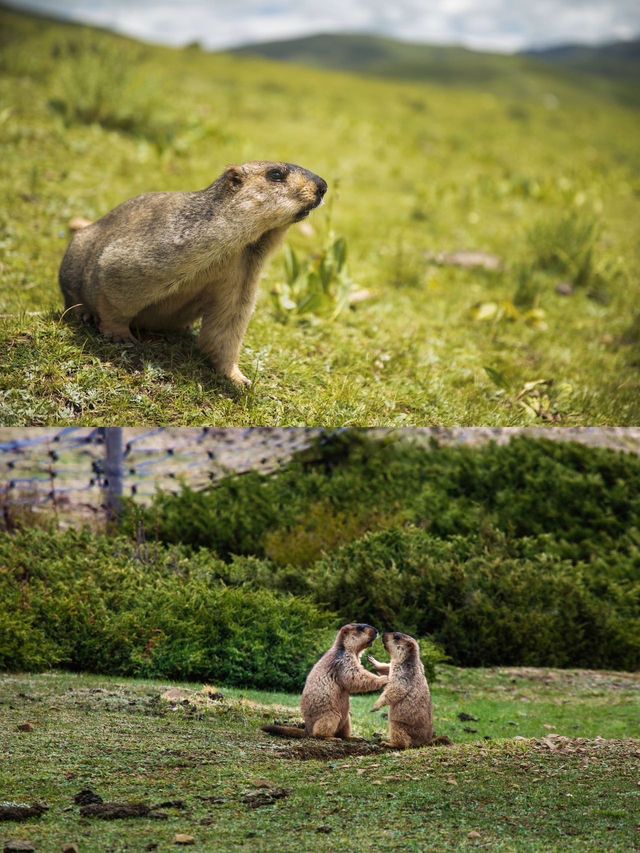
{"x":325,"y":699}
{"x":161,"y":261}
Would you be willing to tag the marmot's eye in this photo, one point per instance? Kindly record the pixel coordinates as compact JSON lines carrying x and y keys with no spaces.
{"x":276,"y":175}
{"x":397,"y":636}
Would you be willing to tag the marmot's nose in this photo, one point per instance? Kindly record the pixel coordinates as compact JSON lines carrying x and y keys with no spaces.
{"x":321,"y":185}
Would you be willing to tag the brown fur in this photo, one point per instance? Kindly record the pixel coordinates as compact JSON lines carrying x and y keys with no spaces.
{"x":325,"y":701}
{"x":407,"y":693}
{"x":161,"y":261}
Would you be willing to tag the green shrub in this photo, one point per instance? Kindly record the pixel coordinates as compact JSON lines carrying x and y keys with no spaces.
{"x":94,"y":604}
{"x":489,"y":602}
{"x":586,"y":498}
{"x":233,"y":518}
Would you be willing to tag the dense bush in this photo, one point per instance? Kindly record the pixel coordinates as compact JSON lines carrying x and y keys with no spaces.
{"x":490,"y":601}
{"x":94,"y":604}
{"x":587,"y":498}
{"x":522,"y":554}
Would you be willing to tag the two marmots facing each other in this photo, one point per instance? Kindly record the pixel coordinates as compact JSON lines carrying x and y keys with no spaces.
{"x":325,"y":701}
{"x":163,"y":260}
{"x":339,"y":673}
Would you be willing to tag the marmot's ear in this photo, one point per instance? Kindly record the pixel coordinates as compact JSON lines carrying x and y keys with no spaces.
{"x":234,"y":177}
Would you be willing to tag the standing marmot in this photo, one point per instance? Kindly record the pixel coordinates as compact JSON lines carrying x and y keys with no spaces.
{"x":325,"y":701}
{"x":407,"y":693}
{"x":161,"y":261}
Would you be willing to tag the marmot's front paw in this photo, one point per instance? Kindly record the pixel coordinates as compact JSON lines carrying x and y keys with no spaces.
{"x":118,"y":334}
{"x":238,"y":378}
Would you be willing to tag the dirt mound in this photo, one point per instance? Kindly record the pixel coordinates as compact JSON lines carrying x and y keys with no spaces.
{"x":327,"y":750}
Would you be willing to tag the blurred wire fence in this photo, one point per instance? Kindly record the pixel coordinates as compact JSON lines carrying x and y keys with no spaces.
{"x":79,"y":472}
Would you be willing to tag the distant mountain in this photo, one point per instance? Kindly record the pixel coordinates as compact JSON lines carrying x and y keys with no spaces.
{"x":619,"y":59}
{"x":386,"y":57}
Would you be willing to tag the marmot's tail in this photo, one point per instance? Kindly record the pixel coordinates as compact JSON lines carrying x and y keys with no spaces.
{"x":284,"y":731}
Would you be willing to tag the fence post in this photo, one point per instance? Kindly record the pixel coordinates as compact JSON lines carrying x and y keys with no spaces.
{"x":113,"y":470}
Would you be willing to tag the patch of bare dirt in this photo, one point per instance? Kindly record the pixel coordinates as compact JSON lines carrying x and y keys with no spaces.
{"x":588,"y":679}
{"x":314,"y":749}
{"x":119,"y":811}
{"x":22,"y":811}
{"x":583,"y":746}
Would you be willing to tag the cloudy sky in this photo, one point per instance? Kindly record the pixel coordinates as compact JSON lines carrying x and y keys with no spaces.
{"x":501,"y":25}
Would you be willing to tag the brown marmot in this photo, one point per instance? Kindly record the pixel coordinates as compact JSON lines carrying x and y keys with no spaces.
{"x":325,"y":701}
{"x":407,"y":693}
{"x":163,"y":260}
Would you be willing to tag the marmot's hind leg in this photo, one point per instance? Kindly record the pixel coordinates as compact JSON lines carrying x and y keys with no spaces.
{"x":112,"y":323}
{"x":327,"y":727}
{"x":344,"y":731}
{"x":399,"y":738}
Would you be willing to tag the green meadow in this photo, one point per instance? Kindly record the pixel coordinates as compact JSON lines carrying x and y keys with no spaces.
{"x":542,"y":760}
{"x":536,"y":166}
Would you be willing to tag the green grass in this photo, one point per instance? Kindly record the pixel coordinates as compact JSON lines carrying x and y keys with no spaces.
{"x":88,"y":119}
{"x":116,"y":737}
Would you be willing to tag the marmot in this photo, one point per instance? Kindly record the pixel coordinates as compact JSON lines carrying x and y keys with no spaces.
{"x":407,"y":693}
{"x":163,"y":260}
{"x":325,"y":701}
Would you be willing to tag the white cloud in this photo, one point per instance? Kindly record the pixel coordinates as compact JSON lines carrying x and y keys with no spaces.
{"x":503,"y":25}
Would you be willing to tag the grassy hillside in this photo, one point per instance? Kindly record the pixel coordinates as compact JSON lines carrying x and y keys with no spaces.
{"x":568,"y":782}
{"x":536,"y":169}
{"x":618,"y":63}
{"x":387,"y":57}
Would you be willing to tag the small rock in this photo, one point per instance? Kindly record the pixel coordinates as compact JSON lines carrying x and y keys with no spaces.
{"x":564,"y":288}
{"x":257,"y":799}
{"x":70,"y":848}
{"x":179,"y":838}
{"x":359,"y":296}
{"x":467,"y":718}
{"x":26,"y":727}
{"x":466,"y":260}
{"x":152,"y":846}
{"x":18,"y":847}
{"x":86,"y":797}
{"x":474,"y":834}
{"x":324,"y":829}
